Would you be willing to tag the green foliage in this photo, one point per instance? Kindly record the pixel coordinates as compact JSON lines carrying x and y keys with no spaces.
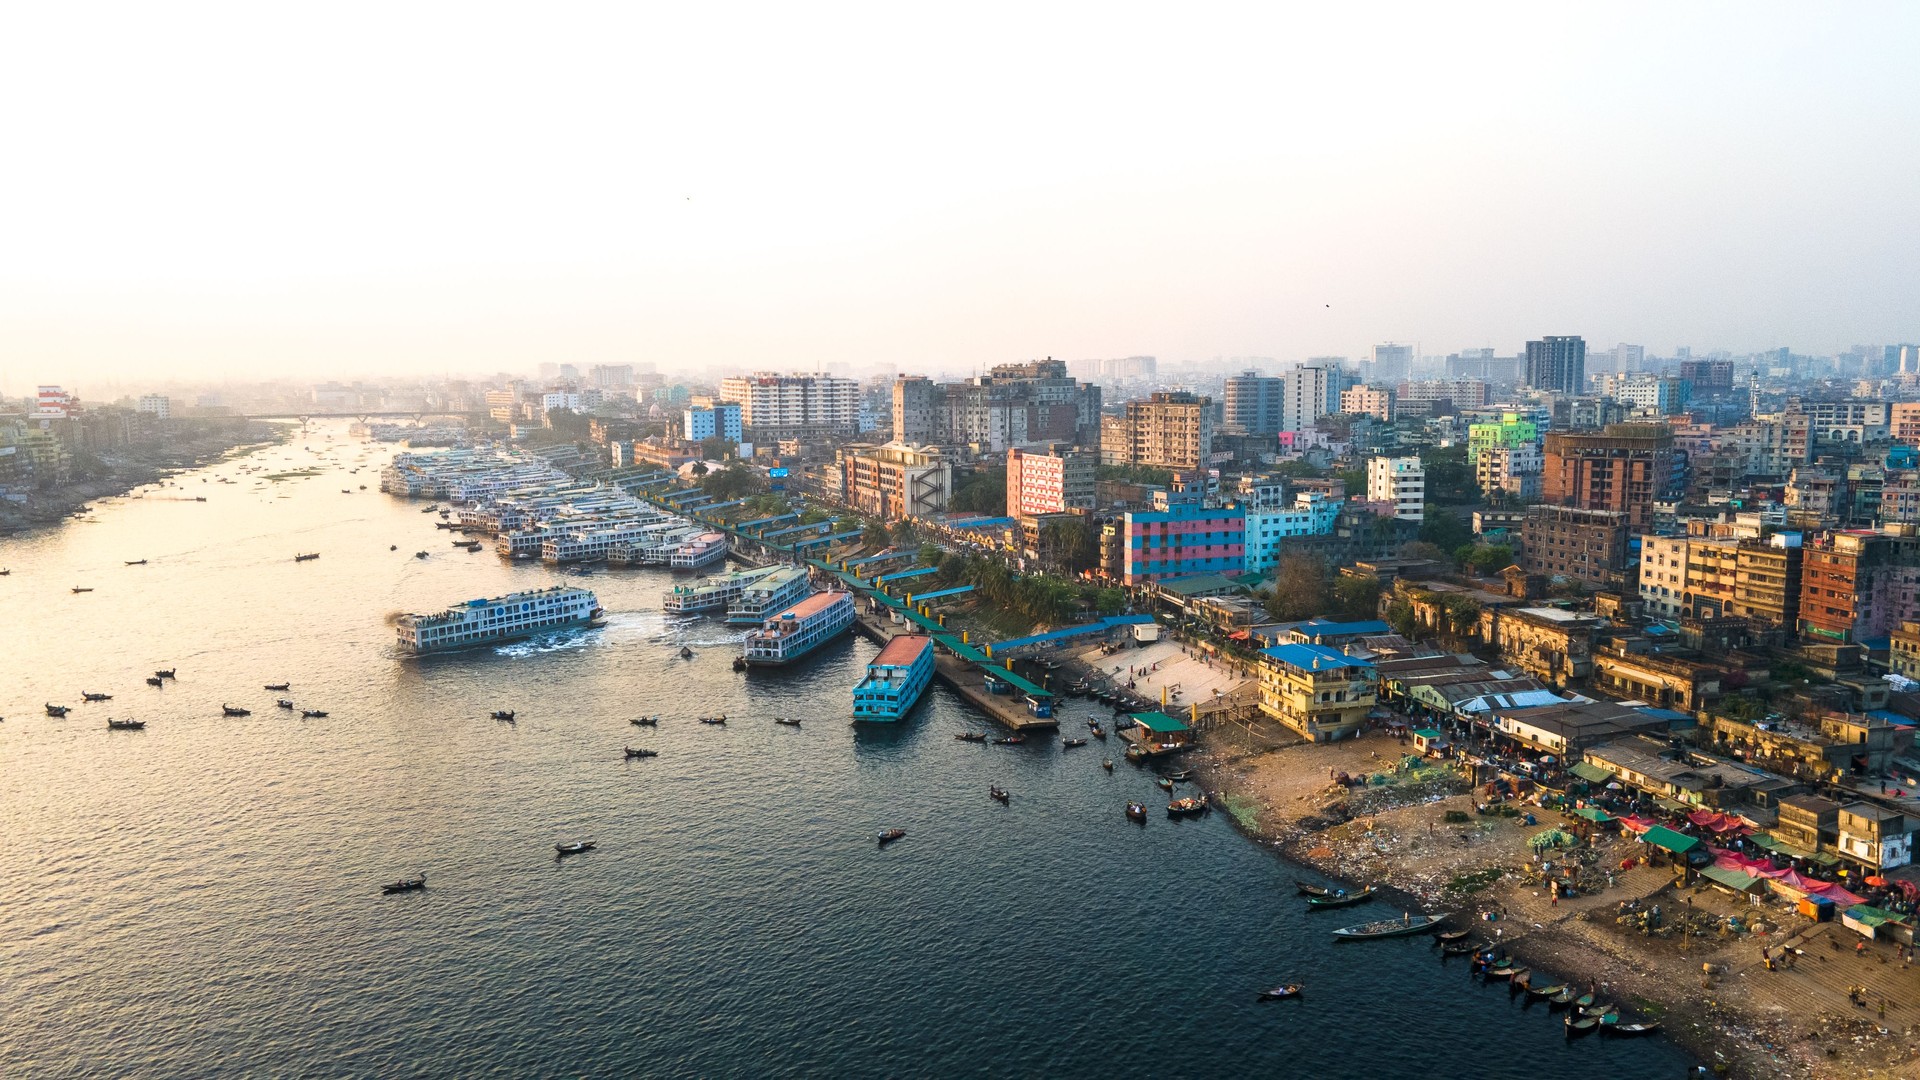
{"x":1357,"y":596}
{"x":1445,"y":529}
{"x":1071,"y":540}
{"x":1134,"y":474}
{"x":717,"y":448}
{"x":1356,"y":481}
{"x":983,"y":493}
{"x":1401,"y":618}
{"x":1040,"y":597}
{"x":1109,"y":601}
{"x":1449,"y":477}
{"x":814,"y":514}
{"x":1302,"y":470}
{"x":930,"y":554}
{"x":876,"y":535}
{"x":736,"y":481}
{"x":568,"y":424}
{"x":1485,"y":558}
{"x":1301,"y":589}
{"x":903,"y":532}
{"x":767,"y":505}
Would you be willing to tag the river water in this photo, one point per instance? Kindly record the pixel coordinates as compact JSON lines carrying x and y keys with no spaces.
{"x":201,"y":898}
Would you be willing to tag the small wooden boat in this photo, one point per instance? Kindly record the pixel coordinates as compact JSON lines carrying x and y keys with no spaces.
{"x":1186,"y":807}
{"x":312,"y":714}
{"x":1137,"y":812}
{"x":1561,"y":1000}
{"x":1068,"y":744}
{"x":285,"y":703}
{"x":1280,"y":993}
{"x":84,"y":696}
{"x":574,"y":848}
{"x":412,"y":884}
{"x":136,"y":562}
{"x":502,"y":714}
{"x":739,"y":663}
{"x":152,"y":681}
{"x":58,"y":711}
{"x":686,"y":653}
{"x":1107,"y":764}
{"x":789,"y":721}
{"x":1597,"y":1011}
{"x":645,"y":721}
{"x":721,"y":719}
{"x":1547,"y":991}
{"x":1408,"y":924}
{"x":1500,"y":974}
{"x":1452,"y":935}
{"x":1631,"y":1029}
{"x":632,"y":753}
{"x":1163,"y":783}
{"x":308,"y":557}
{"x":998,"y":794}
{"x":165,"y":673}
{"x":1307,"y":888}
{"x":1458,"y":949}
{"x":1098,"y":731}
{"x":971,"y":736}
{"x":1340,"y":899}
{"x":126,"y":725}
{"x":890,"y":835}
{"x":78,"y":589}
{"x":1583,"y":1001}
{"x":1579,"y":1025}
{"x":419,"y":554}
{"x":1181,"y":777}
{"x":1010,"y":740}
{"x":232,"y":710}
{"x":279,"y":686}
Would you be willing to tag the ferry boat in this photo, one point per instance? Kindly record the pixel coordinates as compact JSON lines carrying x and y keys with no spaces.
{"x":713,"y":593}
{"x":769,"y":596}
{"x":696,"y":552}
{"x":502,"y":618}
{"x":895,"y":679}
{"x":800,"y":629}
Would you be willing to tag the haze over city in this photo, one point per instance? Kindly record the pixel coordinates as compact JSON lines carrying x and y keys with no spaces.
{"x":224,"y":190}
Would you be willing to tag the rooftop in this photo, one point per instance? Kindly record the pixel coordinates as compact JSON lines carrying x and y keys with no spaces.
{"x":1312,"y":657}
{"x":903,"y":650}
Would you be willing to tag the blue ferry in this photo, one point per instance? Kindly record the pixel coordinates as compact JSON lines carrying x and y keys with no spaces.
{"x":895,"y":679}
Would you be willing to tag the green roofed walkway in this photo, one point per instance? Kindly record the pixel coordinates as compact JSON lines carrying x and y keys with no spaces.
{"x":1662,"y":837}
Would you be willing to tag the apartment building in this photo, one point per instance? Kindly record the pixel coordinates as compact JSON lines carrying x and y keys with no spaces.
{"x":1588,"y":546}
{"x":1180,"y":537}
{"x":1401,"y":481}
{"x":797,"y":406}
{"x":1173,"y":429}
{"x":895,"y":481}
{"x":1321,"y":693}
{"x":1374,"y":401}
{"x":1625,"y":468}
{"x":1055,"y":482}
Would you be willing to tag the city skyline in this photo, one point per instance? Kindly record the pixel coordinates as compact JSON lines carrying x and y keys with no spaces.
{"x":796,"y":192}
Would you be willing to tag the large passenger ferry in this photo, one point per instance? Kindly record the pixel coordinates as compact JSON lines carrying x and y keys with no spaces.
{"x":800,"y":629}
{"x":698,"y":551}
{"x":770,"y":595}
{"x":713,"y":593}
{"x":895,"y":679}
{"x":502,"y":618}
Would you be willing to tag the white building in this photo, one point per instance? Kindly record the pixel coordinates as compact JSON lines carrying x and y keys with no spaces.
{"x":775,"y":405}
{"x":1312,"y":391}
{"x":1515,"y":470}
{"x":1401,"y":481}
{"x":1663,"y":575}
{"x":1374,"y":401}
{"x":156,"y":405}
{"x":560,"y":399}
{"x":707,"y":418}
{"x":52,"y":403}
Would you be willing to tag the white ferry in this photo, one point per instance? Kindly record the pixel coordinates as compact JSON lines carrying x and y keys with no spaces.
{"x":895,"y":679}
{"x":502,"y":618}
{"x":800,"y":629}
{"x":771,"y":594}
{"x":696,"y":552}
{"x":714,"y":593}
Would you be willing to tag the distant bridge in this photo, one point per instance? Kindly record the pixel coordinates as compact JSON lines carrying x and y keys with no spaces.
{"x":410,"y":414}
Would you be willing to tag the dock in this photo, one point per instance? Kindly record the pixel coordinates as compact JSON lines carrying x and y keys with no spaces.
{"x":962,"y":676}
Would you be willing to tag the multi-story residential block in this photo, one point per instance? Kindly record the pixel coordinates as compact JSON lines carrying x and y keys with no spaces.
{"x":1550,"y":644}
{"x":895,"y":481}
{"x":158,"y":406}
{"x":1181,"y":536}
{"x":799,"y":406}
{"x":1766,"y":587}
{"x":707,"y":419}
{"x":1903,"y":421}
{"x":1589,"y":546}
{"x":1311,"y":390}
{"x":1663,"y":575}
{"x":1874,"y":837}
{"x":1254,"y":404}
{"x":1808,"y":823}
{"x":1858,"y":585}
{"x":1321,"y":693}
{"x":1173,"y":429}
{"x":1024,"y":404}
{"x":1270,"y":529}
{"x":1427,"y":398}
{"x":1401,"y":481}
{"x":1374,"y":401}
{"x":1558,"y":364}
{"x":1627,"y":467}
{"x":1903,"y":654}
{"x":1646,"y":392}
{"x":1054,"y":482}
{"x":1665,"y":681}
{"x":1708,"y":376}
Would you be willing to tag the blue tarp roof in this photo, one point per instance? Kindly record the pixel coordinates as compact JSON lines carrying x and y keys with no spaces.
{"x":1327,"y":627}
{"x":1663,"y":714}
{"x":1307,"y":657}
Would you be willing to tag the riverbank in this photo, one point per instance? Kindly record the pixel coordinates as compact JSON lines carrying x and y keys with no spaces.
{"x":124,"y":470}
{"x":1390,"y":827}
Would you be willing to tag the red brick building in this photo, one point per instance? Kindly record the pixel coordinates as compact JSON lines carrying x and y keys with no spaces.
{"x":1626,"y":467}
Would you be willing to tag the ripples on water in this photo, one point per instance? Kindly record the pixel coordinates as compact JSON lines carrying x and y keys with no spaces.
{"x":202,"y":898}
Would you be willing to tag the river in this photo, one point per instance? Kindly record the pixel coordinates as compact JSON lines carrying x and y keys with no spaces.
{"x":201,"y":898}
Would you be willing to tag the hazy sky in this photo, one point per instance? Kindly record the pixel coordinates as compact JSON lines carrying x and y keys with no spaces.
{"x":252,"y":188}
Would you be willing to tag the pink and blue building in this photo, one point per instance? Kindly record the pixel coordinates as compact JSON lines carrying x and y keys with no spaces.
{"x":1182,"y":536}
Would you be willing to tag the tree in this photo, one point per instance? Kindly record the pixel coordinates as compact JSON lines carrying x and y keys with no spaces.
{"x":984,"y":493}
{"x":1357,"y":596}
{"x":1301,"y":470}
{"x":1488,"y":558}
{"x":1355,"y":481}
{"x":813,"y":515}
{"x":1070,"y":540}
{"x":737,"y":481}
{"x":1420,"y":549}
{"x":1300,"y":589}
{"x":875,"y":536}
{"x":1449,"y":475}
{"x":717,"y":448}
{"x":699,"y":468}
{"x":1444,"y":529}
{"x":1134,"y":474}
{"x":903,"y":533}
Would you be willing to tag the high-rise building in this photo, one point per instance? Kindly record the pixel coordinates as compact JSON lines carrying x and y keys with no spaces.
{"x":775,"y":406}
{"x":1173,"y":429}
{"x":1506,"y":457}
{"x":1058,"y":481}
{"x":1028,"y":404}
{"x":1312,"y":391}
{"x":913,"y":405}
{"x":1626,"y":467}
{"x":1181,"y":537}
{"x":1390,"y":363}
{"x":706,"y":418}
{"x":158,"y":406}
{"x":1254,"y":404}
{"x":1583,"y":545}
{"x":895,"y":481}
{"x":1432,"y":397}
{"x":1401,"y":481}
{"x":1558,"y":364}
{"x":1374,"y":401}
{"x":1708,"y":376}
{"x":611,"y":376}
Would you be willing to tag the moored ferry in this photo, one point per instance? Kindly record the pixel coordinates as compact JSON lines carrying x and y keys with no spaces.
{"x":770,"y":595}
{"x":713,"y":593}
{"x":800,"y":629}
{"x":502,"y":618}
{"x":895,"y":679}
{"x":698,"y":551}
